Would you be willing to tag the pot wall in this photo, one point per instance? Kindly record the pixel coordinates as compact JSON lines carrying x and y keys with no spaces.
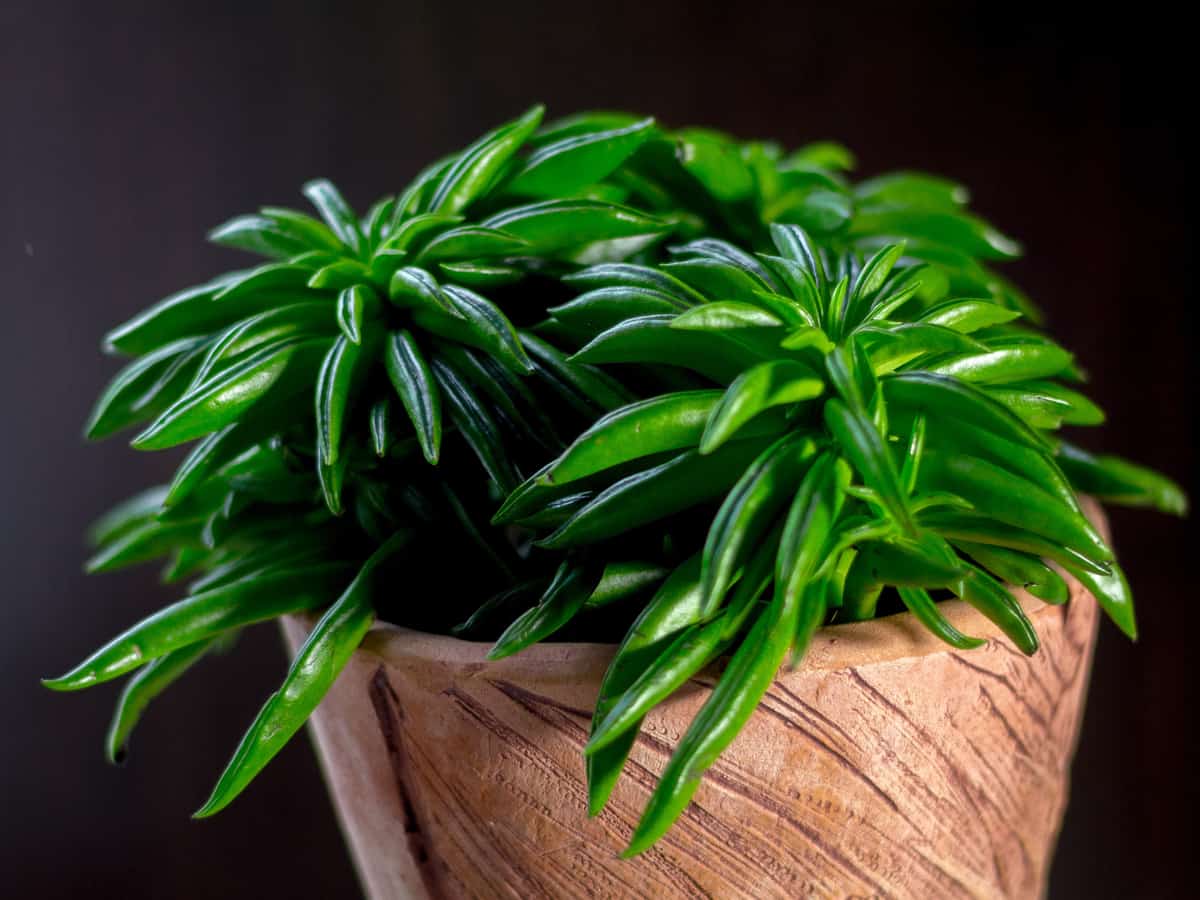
{"x":888,"y":765}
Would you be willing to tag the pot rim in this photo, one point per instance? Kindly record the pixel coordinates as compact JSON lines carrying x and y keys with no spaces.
{"x":838,"y":646}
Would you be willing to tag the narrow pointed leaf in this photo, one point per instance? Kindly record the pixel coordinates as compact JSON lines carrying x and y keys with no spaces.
{"x":553,"y":226}
{"x":575,"y":161}
{"x":654,"y":494}
{"x":725,"y":315}
{"x":477,"y":168}
{"x":670,"y":422}
{"x":335,"y":211}
{"x":224,"y":398}
{"x":1013,"y":500}
{"x":565,"y":597}
{"x":414,"y":383}
{"x":921,"y":605}
{"x":864,"y":448}
{"x":1117,"y":480}
{"x":731,"y":703}
{"x":317,"y":664}
{"x":334,"y":396}
{"x":748,"y":511}
{"x":202,"y":616}
{"x":674,"y":607}
{"x":764,"y":386}
{"x":992,"y":599}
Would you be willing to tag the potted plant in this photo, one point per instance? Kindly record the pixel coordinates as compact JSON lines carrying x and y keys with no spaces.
{"x":666,"y":404}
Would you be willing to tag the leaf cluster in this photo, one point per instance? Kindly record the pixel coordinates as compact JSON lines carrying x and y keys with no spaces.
{"x":690,"y":394}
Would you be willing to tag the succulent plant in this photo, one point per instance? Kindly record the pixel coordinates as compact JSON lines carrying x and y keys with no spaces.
{"x":595,"y":330}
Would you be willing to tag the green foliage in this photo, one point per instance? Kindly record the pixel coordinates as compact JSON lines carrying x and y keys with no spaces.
{"x":821,"y":403}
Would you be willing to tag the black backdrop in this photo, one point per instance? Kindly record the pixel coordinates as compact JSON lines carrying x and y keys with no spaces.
{"x":126,"y":133}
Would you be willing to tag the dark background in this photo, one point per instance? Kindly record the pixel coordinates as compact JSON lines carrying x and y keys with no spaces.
{"x":126,"y":133}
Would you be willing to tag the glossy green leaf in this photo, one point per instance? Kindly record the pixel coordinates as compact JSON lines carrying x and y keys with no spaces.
{"x":921,"y":605}
{"x":956,"y":230}
{"x":413,"y":287}
{"x":1013,"y":500}
{"x":354,"y":305}
{"x":304,"y":228}
{"x":222,"y":399}
{"x":912,"y":190}
{"x":748,"y":511}
{"x":654,"y":494}
{"x":864,"y":448}
{"x":381,"y":421}
{"x":186,"y":314}
{"x":565,"y":166}
{"x":761,"y":387}
{"x":565,"y":597}
{"x":674,"y":607}
{"x":335,"y":211}
{"x":1117,"y":480}
{"x":723,"y":316}
{"x":670,"y":422}
{"x":334,"y":395}
{"x":415,"y":199}
{"x":650,"y":339}
{"x":992,"y":599}
{"x":1111,"y":589}
{"x":478,"y":167}
{"x":488,"y":327}
{"x":694,"y":648}
{"x":202,"y":616}
{"x":808,"y":529}
{"x":257,"y":234}
{"x":902,"y":344}
{"x":585,"y":387}
{"x":127,"y":515}
{"x":1019,"y":569}
{"x":270,"y":278}
{"x":967,"y":316}
{"x":414,"y":383}
{"x":716,"y":162}
{"x":293,"y":321}
{"x":340,"y":274}
{"x":940,"y":396}
{"x":969,"y":526}
{"x":318,"y":662}
{"x":480,"y":275}
{"x":475,"y":423}
{"x":127,"y":399}
{"x":553,"y":226}
{"x":606,"y":307}
{"x":737,"y":694}
{"x":1002,"y":365}
{"x":630,"y":275}
{"x":471,"y":242}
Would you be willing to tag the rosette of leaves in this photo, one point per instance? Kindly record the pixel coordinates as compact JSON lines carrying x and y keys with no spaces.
{"x":855,"y":427}
{"x":711,"y":184}
{"x":376,"y":328}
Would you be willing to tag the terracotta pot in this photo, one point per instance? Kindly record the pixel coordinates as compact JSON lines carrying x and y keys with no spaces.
{"x":887,"y":765}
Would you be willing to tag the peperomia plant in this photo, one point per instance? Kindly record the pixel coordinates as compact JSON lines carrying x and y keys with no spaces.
{"x":662,"y":388}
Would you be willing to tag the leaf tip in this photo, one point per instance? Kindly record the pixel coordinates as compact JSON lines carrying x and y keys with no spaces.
{"x":71,"y":681}
{"x":498,"y":652}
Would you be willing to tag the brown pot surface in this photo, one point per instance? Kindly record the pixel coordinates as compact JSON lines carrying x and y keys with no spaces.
{"x":888,"y":764}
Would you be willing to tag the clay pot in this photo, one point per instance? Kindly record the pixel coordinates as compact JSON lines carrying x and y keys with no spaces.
{"x":888,"y":764}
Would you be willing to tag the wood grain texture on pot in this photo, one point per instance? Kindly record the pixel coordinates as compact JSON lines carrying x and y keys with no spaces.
{"x":887,"y":765}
